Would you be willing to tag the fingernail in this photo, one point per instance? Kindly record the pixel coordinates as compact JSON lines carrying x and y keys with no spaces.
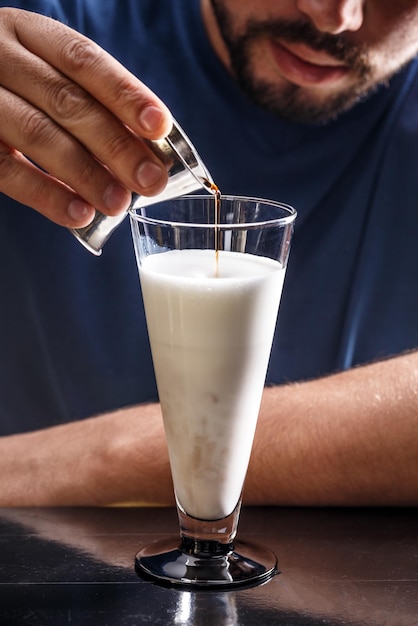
{"x":151,"y":118}
{"x":116,"y":197}
{"x":79,"y":210}
{"x":148,"y":174}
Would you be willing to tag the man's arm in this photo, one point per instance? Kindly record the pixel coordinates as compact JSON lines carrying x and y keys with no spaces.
{"x":113,"y":458}
{"x":347,"y":439}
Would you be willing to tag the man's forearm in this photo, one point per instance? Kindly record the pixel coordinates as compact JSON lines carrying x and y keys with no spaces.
{"x":108,"y":459}
{"x":348,"y":439}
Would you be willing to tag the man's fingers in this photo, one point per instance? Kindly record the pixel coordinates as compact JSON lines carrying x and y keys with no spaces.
{"x":78,"y":112}
{"x":81,"y":60}
{"x":34,"y":134}
{"x":24,"y":182}
{"x":60,"y":97}
{"x":61,"y":154}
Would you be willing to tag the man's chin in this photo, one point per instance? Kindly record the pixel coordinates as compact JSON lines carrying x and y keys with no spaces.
{"x":301,"y":105}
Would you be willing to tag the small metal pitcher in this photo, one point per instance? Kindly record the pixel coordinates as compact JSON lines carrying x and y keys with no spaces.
{"x":186,"y":174}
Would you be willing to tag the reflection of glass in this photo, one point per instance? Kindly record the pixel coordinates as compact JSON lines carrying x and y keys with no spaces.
{"x":211,"y":318}
{"x":201,"y":609}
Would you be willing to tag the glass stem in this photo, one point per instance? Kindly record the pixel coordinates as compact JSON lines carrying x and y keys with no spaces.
{"x":208,"y":537}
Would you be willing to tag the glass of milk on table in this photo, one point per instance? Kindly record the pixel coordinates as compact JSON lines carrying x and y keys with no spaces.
{"x":211,"y":270}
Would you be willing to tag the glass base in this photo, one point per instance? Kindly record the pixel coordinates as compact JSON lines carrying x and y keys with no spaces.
{"x":243,"y":564}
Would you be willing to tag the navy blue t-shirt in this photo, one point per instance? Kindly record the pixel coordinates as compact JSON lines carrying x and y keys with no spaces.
{"x":73,"y":339}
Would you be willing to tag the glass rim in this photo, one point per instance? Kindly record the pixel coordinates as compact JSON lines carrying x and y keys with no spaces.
{"x":274,"y":221}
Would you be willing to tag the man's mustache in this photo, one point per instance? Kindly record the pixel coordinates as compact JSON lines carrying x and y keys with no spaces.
{"x":337,"y":46}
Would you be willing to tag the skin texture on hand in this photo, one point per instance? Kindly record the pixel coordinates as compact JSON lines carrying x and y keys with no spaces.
{"x":347,"y":439}
{"x":78,"y":114}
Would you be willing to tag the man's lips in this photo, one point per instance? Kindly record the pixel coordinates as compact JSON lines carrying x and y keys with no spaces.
{"x":305,"y":66}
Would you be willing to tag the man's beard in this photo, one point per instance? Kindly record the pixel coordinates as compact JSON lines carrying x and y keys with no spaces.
{"x":291,"y":101}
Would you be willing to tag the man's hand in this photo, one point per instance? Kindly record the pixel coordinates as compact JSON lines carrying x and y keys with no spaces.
{"x":71,"y":123}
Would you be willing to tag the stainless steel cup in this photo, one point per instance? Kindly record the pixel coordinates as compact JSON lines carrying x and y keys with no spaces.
{"x":186,"y":174}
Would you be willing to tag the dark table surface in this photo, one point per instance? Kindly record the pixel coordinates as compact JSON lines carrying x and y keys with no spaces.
{"x":354,"y":567}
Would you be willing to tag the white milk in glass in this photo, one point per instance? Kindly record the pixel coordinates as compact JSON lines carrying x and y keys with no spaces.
{"x":210,"y":334}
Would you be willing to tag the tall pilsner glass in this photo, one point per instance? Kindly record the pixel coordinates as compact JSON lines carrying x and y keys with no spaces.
{"x":211,"y":287}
